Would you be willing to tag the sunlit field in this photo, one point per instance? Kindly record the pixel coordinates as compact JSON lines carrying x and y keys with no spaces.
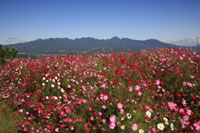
{"x":147,"y":91}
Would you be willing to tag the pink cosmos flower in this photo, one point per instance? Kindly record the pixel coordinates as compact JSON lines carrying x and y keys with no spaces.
{"x":113,"y":118}
{"x":20,"y":110}
{"x":145,"y":84}
{"x":100,"y":76}
{"x":120,"y":105}
{"x":184,"y":102}
{"x":130,"y":89}
{"x":121,"y":111}
{"x":99,"y":113}
{"x":83,"y":87}
{"x":134,"y":127}
{"x":137,"y":87}
{"x":154,"y":130}
{"x":57,"y":129}
{"x":189,"y":112}
{"x":69,"y":86}
{"x":112,"y":125}
{"x":172,"y":105}
{"x":197,"y":125}
{"x":25,"y":129}
{"x":104,"y":120}
{"x":157,"y":82}
{"x":139,"y":93}
{"x":105,"y":97}
{"x":104,"y":107}
{"x":103,"y":86}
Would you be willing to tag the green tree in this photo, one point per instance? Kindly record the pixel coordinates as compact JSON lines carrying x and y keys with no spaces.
{"x":7,"y":53}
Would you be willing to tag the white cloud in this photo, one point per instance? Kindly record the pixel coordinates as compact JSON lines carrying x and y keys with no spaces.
{"x":184,"y":42}
{"x":13,"y":40}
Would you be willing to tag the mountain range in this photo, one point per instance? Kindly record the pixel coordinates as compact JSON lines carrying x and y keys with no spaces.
{"x":86,"y":45}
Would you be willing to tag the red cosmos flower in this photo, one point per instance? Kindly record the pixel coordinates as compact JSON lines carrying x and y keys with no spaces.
{"x":142,"y":73}
{"x":122,"y":61}
{"x":62,"y":125}
{"x":164,"y":104}
{"x":193,"y":113}
{"x":171,"y":95}
{"x":162,"y":83}
{"x":85,"y":125}
{"x":69,"y":111}
{"x":193,"y":97}
{"x":147,"y":118}
{"x":179,"y":95}
{"x":138,"y":82}
{"x":117,"y":72}
{"x":180,"y":73}
{"x":183,"y":113}
{"x":133,"y":67}
{"x":116,"y":81}
{"x":129,"y":82}
{"x":172,"y":69}
{"x":124,"y":90}
{"x":13,"y":118}
{"x":143,"y":109}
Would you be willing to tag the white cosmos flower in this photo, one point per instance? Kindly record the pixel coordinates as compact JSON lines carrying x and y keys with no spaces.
{"x":141,"y":131}
{"x":148,"y":113}
{"x":122,"y":127}
{"x":55,"y":98}
{"x":166,"y":123}
{"x":47,"y":97}
{"x":58,"y":83}
{"x":52,"y":85}
{"x":166,"y":120}
{"x":122,"y":118}
{"x":43,"y":84}
{"x":62,"y":90}
{"x":160,"y":126}
{"x":128,"y":115}
{"x":172,"y":126}
{"x":43,"y":78}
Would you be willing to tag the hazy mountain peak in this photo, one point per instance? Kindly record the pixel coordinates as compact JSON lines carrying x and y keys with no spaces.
{"x":115,"y":38}
{"x":87,"y":44}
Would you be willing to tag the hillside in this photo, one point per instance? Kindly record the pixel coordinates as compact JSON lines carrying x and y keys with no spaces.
{"x":86,"y":45}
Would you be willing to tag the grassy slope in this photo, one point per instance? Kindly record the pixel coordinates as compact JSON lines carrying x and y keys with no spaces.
{"x":8,"y":119}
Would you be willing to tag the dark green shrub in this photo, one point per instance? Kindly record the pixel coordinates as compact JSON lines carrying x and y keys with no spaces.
{"x":7,"y":53}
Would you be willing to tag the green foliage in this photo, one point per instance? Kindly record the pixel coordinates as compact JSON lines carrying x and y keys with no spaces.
{"x":7,"y":53}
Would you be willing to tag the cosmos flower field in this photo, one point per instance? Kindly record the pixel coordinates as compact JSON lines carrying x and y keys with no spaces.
{"x":147,"y":91}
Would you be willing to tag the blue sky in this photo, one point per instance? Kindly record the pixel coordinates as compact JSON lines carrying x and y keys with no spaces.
{"x":165,"y":20}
